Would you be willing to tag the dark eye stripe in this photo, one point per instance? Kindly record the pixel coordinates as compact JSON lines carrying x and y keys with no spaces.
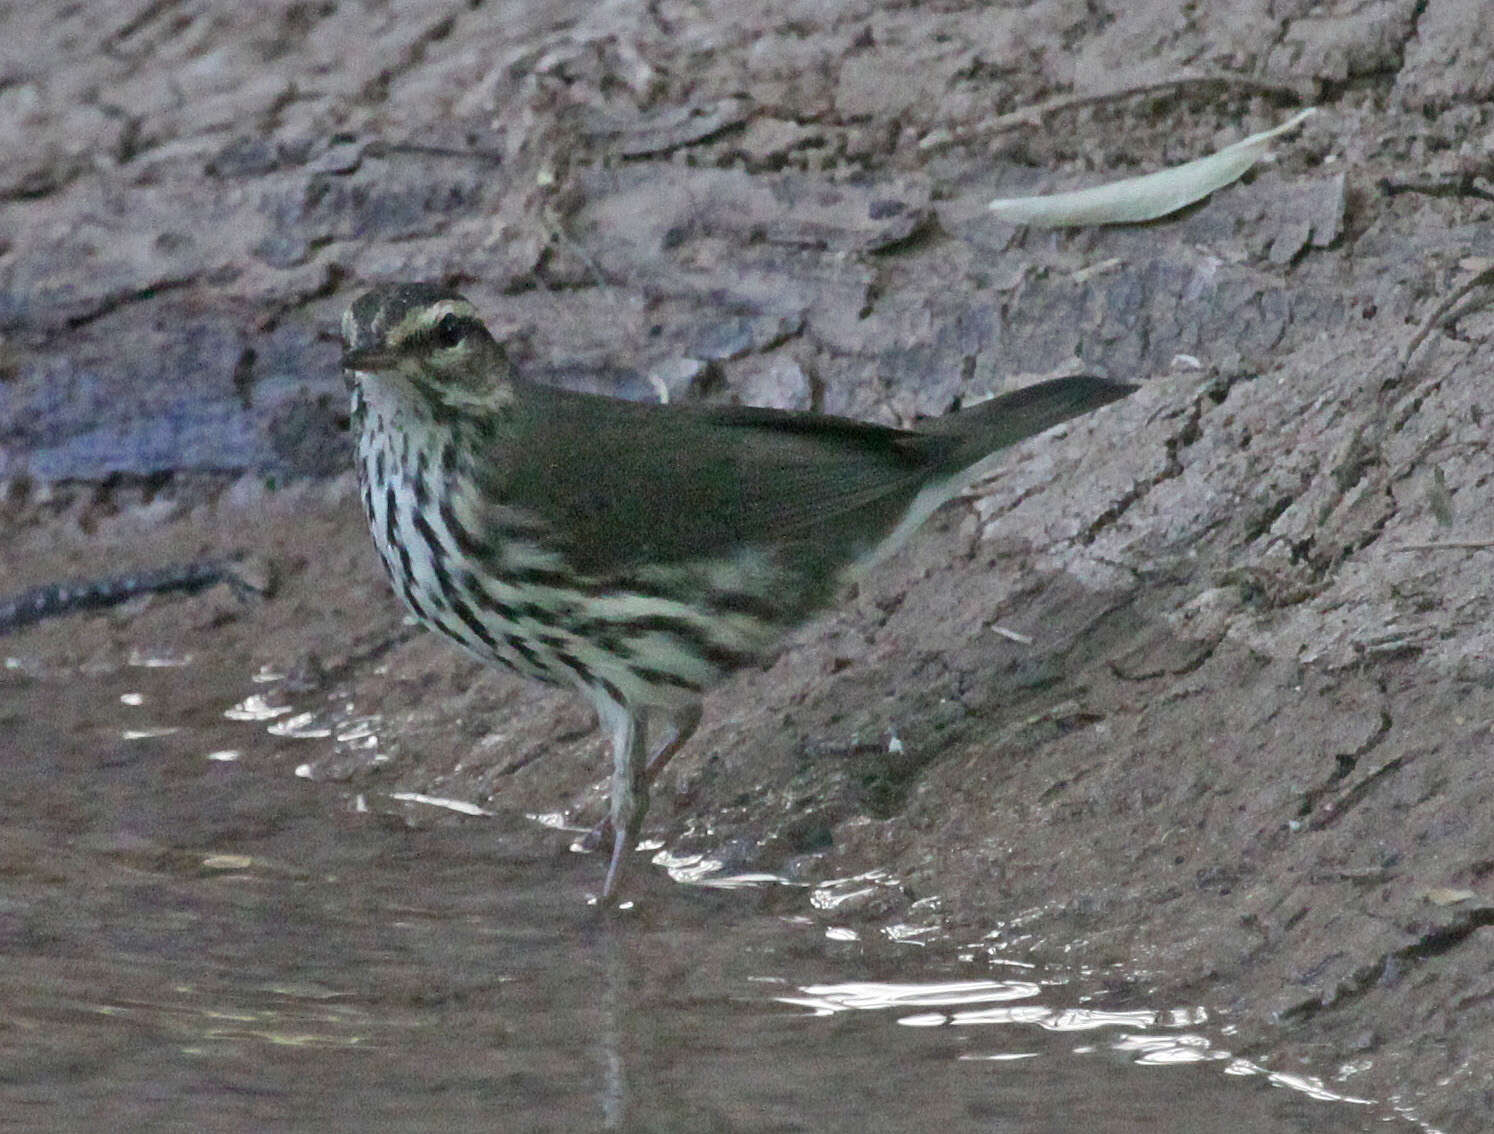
{"x":447,"y":331}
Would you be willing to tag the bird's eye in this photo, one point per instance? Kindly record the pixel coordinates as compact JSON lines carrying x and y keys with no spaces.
{"x":448,"y":332}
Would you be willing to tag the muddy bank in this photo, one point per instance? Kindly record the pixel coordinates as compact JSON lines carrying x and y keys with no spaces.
{"x":1243,"y":756}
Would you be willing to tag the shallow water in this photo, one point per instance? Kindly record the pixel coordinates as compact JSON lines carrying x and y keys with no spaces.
{"x":194,"y":937}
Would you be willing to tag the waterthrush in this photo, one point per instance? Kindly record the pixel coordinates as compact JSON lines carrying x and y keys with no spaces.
{"x":634,"y":552}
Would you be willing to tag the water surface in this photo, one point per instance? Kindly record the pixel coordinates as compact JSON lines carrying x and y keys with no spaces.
{"x":194,"y":937}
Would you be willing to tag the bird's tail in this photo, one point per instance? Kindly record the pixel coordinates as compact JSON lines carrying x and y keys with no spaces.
{"x":1008,"y":418}
{"x":985,"y":429}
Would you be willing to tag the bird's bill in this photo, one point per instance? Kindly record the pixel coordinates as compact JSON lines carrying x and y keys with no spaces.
{"x":368,"y":359}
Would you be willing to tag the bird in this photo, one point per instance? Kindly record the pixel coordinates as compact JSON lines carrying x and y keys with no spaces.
{"x":634,"y":552}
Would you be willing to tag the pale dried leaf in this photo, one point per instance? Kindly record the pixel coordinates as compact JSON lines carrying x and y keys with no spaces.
{"x":1144,"y":198}
{"x":1442,"y":896}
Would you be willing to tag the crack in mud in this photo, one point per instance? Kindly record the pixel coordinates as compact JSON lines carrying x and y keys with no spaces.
{"x":1335,"y":809}
{"x":1182,"y":437}
{"x":377,"y":88}
{"x":109,"y":304}
{"x":1391,"y":967}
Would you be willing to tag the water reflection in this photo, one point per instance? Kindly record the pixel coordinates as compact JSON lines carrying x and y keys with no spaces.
{"x":158,"y":659}
{"x":460,"y":806}
{"x":194,"y":938}
{"x":1157,"y":1050}
{"x":702,"y":870}
{"x":255,"y":708}
{"x":302,"y":726}
{"x":828,"y":999}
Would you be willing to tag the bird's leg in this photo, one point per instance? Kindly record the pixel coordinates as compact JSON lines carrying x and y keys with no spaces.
{"x":629,"y":789}
{"x":682,"y":725}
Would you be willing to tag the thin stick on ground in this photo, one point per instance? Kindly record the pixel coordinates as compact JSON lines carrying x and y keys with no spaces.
{"x":1035,"y":114}
{"x":1447,"y":545}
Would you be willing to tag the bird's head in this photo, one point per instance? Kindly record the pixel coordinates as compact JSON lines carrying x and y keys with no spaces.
{"x":426,"y":339}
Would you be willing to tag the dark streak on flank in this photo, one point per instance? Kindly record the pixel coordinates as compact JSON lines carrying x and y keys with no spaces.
{"x":664,"y":677}
{"x":697,"y":640}
{"x":469,"y":618}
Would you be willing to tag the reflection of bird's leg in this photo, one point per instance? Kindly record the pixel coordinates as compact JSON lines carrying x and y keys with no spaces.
{"x":614,"y":1001}
{"x":682,"y":725}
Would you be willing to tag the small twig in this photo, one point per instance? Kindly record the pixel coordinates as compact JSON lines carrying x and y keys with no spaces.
{"x":1461,"y":185}
{"x":1447,"y":545}
{"x":389,"y":149}
{"x":52,"y":600}
{"x":1482,"y":279}
{"x":1034,"y":115}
